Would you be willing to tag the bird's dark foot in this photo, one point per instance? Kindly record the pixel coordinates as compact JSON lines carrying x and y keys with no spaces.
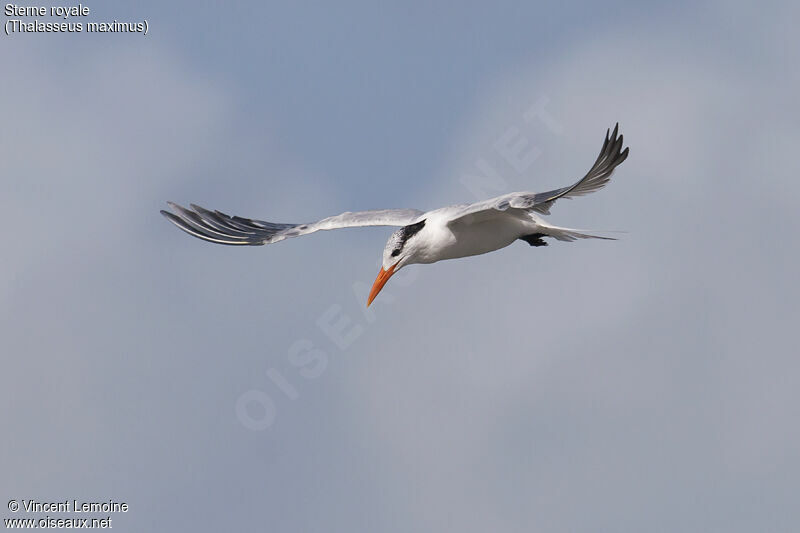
{"x":534,"y":239}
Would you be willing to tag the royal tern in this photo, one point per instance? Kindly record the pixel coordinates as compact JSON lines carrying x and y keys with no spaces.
{"x":425,"y":237}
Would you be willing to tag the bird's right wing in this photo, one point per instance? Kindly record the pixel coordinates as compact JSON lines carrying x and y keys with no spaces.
{"x":218,"y":227}
{"x":611,"y":156}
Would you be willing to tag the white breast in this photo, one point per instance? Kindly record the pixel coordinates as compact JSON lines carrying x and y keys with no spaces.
{"x":472,"y":236}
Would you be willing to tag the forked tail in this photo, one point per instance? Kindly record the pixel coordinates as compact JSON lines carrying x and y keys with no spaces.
{"x":570,"y":234}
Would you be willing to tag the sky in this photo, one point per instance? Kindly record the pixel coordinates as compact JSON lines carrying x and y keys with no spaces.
{"x":646,"y":384}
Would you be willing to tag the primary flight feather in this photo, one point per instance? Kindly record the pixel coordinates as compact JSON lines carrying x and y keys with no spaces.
{"x":425,"y":237}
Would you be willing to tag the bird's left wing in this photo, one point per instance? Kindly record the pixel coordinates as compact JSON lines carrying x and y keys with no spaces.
{"x":218,"y":227}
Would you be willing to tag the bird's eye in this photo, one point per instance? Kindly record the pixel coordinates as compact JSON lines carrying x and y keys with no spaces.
{"x":396,"y":252}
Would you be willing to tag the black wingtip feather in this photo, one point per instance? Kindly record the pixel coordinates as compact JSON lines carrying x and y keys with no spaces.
{"x":217,"y":227}
{"x":611,"y":156}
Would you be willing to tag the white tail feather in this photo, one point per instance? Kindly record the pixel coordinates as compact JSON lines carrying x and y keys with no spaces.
{"x":571,"y":234}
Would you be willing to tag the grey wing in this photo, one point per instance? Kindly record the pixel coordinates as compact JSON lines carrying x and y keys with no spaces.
{"x":611,"y":156}
{"x":214,"y":226}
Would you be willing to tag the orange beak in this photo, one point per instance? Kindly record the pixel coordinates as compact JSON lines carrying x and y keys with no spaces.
{"x":380,"y":281}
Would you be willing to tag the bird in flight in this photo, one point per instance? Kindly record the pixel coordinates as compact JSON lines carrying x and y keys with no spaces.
{"x":424,"y":237}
